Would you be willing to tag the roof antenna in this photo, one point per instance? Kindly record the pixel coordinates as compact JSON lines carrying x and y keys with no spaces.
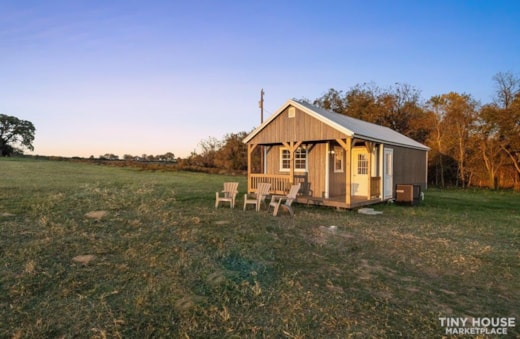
{"x":261,"y":105}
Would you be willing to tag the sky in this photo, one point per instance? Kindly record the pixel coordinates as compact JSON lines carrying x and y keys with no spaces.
{"x":151,"y":77}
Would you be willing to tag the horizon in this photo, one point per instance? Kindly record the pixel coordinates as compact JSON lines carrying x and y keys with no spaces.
{"x":129,"y":78}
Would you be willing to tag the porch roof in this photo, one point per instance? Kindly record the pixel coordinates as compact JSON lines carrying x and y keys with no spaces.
{"x":350,"y":126}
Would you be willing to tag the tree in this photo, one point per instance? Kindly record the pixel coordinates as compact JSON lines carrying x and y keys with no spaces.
{"x":206,"y":158}
{"x":169,"y":156}
{"x":499,"y":129}
{"x":15,"y":135}
{"x":361,"y":102}
{"x":436,"y":137}
{"x":491,"y":142}
{"x":232,"y":154}
{"x":109,"y":156}
{"x":332,"y":100}
{"x":507,"y":87}
{"x":510,"y":134}
{"x":397,"y":107}
{"x":460,"y":117}
{"x":400,"y":110}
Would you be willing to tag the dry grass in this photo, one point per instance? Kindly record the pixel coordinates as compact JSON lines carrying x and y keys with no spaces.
{"x":161,"y":261}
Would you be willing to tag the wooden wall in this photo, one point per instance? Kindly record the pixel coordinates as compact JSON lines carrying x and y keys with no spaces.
{"x":410,"y":166}
{"x":337,"y":180}
{"x":315,"y":176}
{"x":301,"y":127}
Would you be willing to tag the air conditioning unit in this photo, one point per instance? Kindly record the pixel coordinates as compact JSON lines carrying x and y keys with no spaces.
{"x":408,"y":194}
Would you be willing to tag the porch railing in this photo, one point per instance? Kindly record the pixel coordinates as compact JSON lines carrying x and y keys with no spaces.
{"x":375,"y":186}
{"x":280,"y":183}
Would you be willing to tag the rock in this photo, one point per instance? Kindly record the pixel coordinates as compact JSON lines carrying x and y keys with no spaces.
{"x":96,"y":215}
{"x":84,"y":259}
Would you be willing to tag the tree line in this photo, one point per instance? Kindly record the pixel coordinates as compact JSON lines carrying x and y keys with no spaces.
{"x":167,"y":157}
{"x":472,"y":144}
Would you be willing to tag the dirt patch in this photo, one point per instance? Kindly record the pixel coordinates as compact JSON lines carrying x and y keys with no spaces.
{"x":84,"y":259}
{"x":222,"y":222}
{"x":96,"y":215}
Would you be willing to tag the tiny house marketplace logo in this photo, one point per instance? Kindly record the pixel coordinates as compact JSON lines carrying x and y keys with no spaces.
{"x":477,"y":326}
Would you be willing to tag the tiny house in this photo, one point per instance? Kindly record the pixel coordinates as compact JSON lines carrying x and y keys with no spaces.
{"x":339,"y":161}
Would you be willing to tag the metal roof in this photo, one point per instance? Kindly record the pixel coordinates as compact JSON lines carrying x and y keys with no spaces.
{"x":350,"y":126}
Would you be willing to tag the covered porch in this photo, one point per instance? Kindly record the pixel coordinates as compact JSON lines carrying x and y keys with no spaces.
{"x":341,"y":173}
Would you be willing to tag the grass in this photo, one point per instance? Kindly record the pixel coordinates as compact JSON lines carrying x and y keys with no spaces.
{"x":165,"y":263}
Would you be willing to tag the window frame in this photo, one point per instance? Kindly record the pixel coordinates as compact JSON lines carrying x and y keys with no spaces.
{"x":338,"y":156}
{"x":285,"y":157}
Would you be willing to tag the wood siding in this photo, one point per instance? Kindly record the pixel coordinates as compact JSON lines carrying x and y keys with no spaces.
{"x":409,"y":166}
{"x":302,"y":127}
{"x":337,"y":180}
{"x":313,"y":178}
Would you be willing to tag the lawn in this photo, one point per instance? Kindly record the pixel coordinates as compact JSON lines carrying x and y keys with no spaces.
{"x":161,"y":261}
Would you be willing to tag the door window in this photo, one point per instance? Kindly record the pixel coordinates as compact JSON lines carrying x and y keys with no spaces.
{"x":362,"y":164}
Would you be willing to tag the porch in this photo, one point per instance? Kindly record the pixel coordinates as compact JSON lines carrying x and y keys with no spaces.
{"x":280,"y":184}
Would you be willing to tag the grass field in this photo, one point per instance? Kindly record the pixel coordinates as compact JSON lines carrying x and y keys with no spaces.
{"x":163,"y":262}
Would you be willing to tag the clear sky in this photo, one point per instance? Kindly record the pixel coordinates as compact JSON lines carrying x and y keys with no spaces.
{"x":134,"y":77}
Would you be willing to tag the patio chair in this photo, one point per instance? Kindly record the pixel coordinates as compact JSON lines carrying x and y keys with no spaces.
{"x":257,"y":198}
{"x":228,"y":194}
{"x":276,"y":200}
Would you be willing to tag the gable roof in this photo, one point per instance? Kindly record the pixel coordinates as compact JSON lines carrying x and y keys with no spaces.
{"x":350,"y":126}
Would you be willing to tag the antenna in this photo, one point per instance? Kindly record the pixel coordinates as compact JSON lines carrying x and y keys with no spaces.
{"x":261,"y":105}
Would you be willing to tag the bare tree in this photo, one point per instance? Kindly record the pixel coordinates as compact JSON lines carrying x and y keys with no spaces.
{"x":507,"y":87}
{"x":437,"y":137}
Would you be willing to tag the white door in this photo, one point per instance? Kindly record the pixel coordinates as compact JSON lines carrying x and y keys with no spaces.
{"x":360,"y":171}
{"x":388,"y":173}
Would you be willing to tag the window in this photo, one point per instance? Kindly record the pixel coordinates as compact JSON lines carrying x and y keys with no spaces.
{"x":285,"y":159}
{"x":338,"y":160}
{"x":362,"y":164}
{"x":300,"y":159}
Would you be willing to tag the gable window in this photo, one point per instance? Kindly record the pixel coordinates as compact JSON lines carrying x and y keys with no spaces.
{"x":300,"y":159}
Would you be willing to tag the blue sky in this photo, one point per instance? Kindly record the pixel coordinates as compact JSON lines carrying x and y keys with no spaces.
{"x":134,"y":77}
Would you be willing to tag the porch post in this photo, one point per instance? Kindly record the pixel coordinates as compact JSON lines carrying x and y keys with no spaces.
{"x":348,"y":163}
{"x":327,"y":170}
{"x":370,"y":148}
{"x":292,"y":146}
{"x":348,"y":173}
{"x":250,"y":148}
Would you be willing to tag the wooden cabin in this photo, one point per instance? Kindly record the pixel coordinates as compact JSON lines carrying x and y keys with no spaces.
{"x":339,"y":161}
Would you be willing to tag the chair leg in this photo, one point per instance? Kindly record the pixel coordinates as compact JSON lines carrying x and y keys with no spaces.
{"x":216,"y":200}
{"x":276,"y":207}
